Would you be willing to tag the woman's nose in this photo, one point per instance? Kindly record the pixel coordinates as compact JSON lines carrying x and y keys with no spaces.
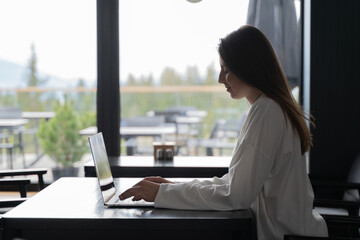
{"x":221,"y":77}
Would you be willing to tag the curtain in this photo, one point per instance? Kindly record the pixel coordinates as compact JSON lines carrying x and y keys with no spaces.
{"x":277,"y":20}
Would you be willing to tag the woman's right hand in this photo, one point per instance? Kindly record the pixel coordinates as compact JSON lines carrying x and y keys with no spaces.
{"x":158,"y":180}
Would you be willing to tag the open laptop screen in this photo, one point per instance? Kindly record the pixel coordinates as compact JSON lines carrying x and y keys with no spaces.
{"x":102,"y":166}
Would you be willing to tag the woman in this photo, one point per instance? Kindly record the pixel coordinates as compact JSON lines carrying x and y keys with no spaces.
{"x":268,"y":170}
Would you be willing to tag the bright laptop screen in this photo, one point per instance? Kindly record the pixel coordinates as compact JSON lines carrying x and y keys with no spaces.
{"x":102,"y":166}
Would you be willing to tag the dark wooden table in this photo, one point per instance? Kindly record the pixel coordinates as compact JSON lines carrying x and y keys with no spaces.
{"x":72,"y":208}
{"x":182,"y":166}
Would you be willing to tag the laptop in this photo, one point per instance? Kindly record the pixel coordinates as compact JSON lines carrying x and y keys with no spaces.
{"x":107,"y":187}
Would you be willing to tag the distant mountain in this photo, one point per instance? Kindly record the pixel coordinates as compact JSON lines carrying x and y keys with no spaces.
{"x":13,"y":75}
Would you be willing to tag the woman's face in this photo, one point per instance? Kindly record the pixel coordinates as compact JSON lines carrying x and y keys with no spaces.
{"x":237,"y":88}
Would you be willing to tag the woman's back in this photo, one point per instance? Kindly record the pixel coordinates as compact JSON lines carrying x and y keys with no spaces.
{"x":285,"y":200}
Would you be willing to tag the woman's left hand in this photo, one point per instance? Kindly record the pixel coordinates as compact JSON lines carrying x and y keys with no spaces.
{"x":142,"y":190}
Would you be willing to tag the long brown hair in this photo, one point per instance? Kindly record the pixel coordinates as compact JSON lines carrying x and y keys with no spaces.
{"x":249,"y":55}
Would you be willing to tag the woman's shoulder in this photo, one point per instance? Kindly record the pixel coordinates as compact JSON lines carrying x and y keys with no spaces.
{"x":268,"y":107}
{"x":266,"y":114}
{"x":265,"y":126}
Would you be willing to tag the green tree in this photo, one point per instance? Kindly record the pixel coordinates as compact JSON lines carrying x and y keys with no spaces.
{"x":211,"y":78}
{"x":59,"y":136}
{"x":146,"y":80}
{"x":33,"y":75}
{"x":131,"y":80}
{"x":84,"y":101}
{"x":169,"y":77}
{"x":7,"y":99}
{"x":192,"y":76}
{"x":31,"y":101}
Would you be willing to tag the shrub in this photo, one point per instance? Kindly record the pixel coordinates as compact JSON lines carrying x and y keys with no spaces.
{"x":59,"y":136}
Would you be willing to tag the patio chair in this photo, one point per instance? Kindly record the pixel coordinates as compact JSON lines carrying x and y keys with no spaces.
{"x":10,"y":112}
{"x":133,"y":144}
{"x":169,"y":115}
{"x":18,"y":185}
{"x":224,"y":135}
{"x":186,"y":127}
{"x":10,"y":139}
{"x":339,"y":228}
{"x":341,"y":214}
{"x":348,"y":203}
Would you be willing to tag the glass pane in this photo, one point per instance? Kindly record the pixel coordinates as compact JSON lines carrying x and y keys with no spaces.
{"x":47,"y":54}
{"x":169,"y":65}
{"x":49,"y":45}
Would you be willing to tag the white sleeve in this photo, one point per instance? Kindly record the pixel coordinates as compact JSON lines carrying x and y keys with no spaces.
{"x":214,"y":180}
{"x":251,"y":165}
{"x":236,"y":190}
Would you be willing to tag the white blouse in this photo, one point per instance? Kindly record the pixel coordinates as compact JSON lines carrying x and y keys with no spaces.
{"x":267,"y":173}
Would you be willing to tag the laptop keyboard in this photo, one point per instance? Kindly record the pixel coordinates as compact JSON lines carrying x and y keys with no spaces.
{"x":126,"y":201}
{"x":130,"y":202}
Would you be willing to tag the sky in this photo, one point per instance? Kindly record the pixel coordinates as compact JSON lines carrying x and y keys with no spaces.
{"x":153,"y":34}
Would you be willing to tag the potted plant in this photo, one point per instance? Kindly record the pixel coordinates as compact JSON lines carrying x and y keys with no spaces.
{"x":60,"y":139}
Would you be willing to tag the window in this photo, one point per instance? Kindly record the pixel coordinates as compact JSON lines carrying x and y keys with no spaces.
{"x":169,"y":59}
{"x":47,"y":54}
{"x":168,"y":55}
{"x":58,"y":38}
